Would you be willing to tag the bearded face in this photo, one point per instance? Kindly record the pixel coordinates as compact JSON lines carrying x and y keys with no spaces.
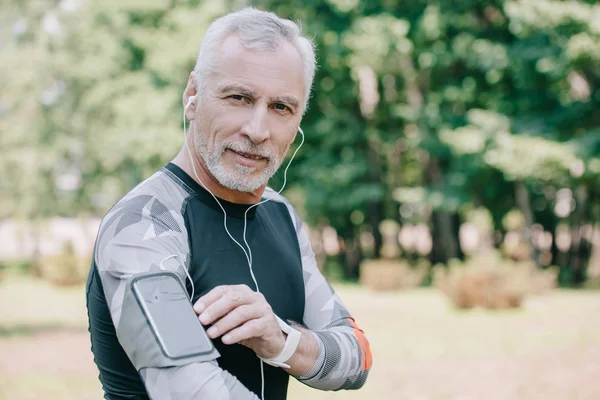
{"x":253,"y":167}
{"x":248,"y":113}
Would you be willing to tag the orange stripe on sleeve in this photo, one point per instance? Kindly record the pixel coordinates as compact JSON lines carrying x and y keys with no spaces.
{"x":363,"y":343}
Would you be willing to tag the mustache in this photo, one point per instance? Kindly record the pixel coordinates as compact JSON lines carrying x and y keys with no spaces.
{"x":249,"y":148}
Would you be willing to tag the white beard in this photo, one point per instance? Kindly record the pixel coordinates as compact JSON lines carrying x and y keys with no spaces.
{"x":241,"y":178}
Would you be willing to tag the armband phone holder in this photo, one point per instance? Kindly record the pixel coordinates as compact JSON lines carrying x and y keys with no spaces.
{"x":169,"y":313}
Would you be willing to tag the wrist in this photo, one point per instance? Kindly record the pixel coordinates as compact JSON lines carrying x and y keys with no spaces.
{"x":291,"y":340}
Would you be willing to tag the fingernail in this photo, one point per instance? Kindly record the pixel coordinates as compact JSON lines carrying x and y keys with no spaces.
{"x":226,"y":339}
{"x":205,"y":318}
{"x":212,"y":332}
{"x":199,"y":307}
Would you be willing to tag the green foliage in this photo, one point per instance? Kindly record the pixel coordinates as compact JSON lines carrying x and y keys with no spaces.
{"x":99,"y":108}
{"x":437,"y":105}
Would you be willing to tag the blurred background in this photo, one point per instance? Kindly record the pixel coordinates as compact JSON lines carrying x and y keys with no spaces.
{"x":450,"y":180}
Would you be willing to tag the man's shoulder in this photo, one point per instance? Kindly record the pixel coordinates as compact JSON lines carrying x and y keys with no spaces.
{"x":160,"y":197}
{"x":274,"y":196}
{"x":162,"y":189}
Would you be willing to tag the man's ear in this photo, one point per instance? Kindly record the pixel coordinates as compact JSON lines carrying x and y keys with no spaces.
{"x":189,"y":95}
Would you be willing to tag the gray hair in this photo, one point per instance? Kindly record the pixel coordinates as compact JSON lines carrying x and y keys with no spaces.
{"x":258,"y":30}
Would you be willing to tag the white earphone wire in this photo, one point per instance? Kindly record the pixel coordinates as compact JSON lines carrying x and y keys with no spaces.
{"x":248,"y":253}
{"x":266,"y":200}
{"x":161,"y":265}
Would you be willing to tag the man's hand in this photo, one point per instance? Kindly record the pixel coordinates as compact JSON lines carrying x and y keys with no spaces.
{"x":243,"y":316}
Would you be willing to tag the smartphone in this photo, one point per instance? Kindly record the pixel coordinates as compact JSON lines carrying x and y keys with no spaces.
{"x":170,"y":314}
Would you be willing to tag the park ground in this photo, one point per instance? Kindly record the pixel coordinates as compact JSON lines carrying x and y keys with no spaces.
{"x":423,"y":348}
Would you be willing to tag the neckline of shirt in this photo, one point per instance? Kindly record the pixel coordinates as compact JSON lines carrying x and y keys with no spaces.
{"x":235,"y":210}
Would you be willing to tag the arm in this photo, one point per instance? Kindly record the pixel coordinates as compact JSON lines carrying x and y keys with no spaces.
{"x":333,"y":353}
{"x":343,"y":355}
{"x":137,"y":236}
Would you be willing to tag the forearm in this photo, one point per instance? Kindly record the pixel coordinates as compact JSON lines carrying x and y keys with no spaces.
{"x":343,"y":360}
{"x":305,"y":356}
{"x":194,"y":381}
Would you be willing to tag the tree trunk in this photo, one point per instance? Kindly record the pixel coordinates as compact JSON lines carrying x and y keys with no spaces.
{"x":374,"y":217}
{"x":524,"y":203}
{"x":593,"y":269}
{"x":456,"y":222}
{"x":350,"y":255}
{"x":376,"y":175}
{"x":580,"y":250}
{"x":444,"y":232}
{"x":550,"y":224}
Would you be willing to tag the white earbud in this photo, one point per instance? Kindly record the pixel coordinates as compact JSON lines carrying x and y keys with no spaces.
{"x":191,"y":101}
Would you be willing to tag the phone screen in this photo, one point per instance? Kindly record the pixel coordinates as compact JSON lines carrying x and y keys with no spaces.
{"x":171,"y":316}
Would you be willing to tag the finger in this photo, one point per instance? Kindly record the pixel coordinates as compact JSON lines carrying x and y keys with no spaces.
{"x":216,"y":293}
{"x":209,"y":298}
{"x":237,"y":317}
{"x":233,"y":297}
{"x":251,"y":329}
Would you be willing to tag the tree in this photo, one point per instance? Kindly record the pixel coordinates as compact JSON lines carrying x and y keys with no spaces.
{"x":421,"y":111}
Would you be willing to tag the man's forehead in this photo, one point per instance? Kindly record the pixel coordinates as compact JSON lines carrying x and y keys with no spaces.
{"x":280,"y":72}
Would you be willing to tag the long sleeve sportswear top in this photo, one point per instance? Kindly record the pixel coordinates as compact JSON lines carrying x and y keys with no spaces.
{"x":171,"y":217}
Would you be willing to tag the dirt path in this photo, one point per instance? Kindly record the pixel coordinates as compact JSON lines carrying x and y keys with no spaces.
{"x":58,"y":351}
{"x":563,"y":374}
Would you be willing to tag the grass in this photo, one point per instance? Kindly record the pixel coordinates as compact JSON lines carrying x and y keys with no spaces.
{"x":416,"y":338}
{"x":30,"y":305}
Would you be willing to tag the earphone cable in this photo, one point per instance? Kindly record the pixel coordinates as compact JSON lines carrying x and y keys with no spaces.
{"x":248,"y":253}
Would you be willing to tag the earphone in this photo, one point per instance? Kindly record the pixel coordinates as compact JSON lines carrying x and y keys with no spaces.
{"x":191,"y":101}
{"x":248,"y":253}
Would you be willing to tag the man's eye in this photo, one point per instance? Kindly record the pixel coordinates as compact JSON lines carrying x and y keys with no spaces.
{"x":281,"y":107}
{"x":237,"y":97}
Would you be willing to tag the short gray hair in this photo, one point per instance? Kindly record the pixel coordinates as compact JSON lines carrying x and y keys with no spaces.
{"x":260,"y":30}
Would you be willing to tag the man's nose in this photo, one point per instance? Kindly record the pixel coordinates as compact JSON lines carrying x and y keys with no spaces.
{"x":256,"y":128}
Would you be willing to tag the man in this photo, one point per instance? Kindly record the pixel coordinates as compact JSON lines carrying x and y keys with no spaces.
{"x":250,"y":267}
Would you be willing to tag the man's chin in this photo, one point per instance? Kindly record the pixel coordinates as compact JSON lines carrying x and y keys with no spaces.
{"x":241,"y":182}
{"x":238,"y":177}
{"x":243,"y":188}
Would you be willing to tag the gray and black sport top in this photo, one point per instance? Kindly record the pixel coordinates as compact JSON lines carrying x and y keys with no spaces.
{"x":168,"y":215}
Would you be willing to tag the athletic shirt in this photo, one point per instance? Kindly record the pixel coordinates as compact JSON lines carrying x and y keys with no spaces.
{"x":179,"y":206}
